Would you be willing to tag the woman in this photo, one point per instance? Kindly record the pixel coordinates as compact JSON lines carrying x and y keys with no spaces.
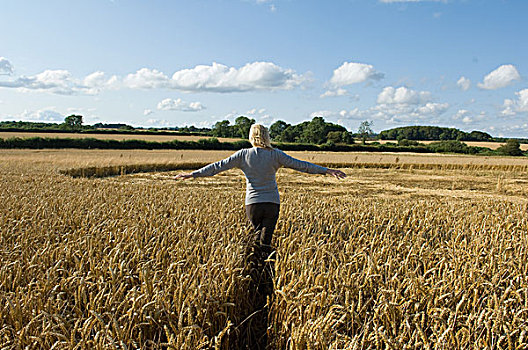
{"x":260,"y":164}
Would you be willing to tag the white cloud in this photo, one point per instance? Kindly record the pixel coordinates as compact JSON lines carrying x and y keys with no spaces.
{"x":432,"y":108}
{"x":83,"y":111}
{"x":405,"y":113}
{"x":260,"y":115}
{"x":61,"y":82}
{"x":158,"y":123}
{"x":324,"y":113}
{"x":339,"y":115}
{"x":44,"y":115}
{"x":265,"y":119}
{"x":352,"y":73}
{"x":522,"y":101}
{"x":510,"y":130}
{"x":56,"y":81}
{"x":468,"y":117}
{"x":509,"y":108}
{"x":500,"y":77}
{"x":395,"y":105}
{"x":95,"y":79}
{"x":464,"y":83}
{"x":429,"y":112}
{"x":251,"y":77}
{"x":179,"y":105}
{"x":146,"y":78}
{"x":520,"y":105}
{"x":464,"y":116}
{"x":461,"y":113}
{"x":231,"y":116}
{"x":95,"y":82}
{"x":402,"y":95}
{"x":6,"y":68}
{"x":391,"y":113}
{"x":350,"y":114}
{"x":255,"y":111}
{"x":467,"y":120}
{"x":333,"y":93}
{"x":147,"y":112}
{"x":256,"y":76}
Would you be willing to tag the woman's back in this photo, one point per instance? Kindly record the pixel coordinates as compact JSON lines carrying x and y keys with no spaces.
{"x":260,"y":165}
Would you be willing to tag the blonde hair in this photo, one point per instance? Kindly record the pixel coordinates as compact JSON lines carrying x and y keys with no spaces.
{"x":259,"y":136}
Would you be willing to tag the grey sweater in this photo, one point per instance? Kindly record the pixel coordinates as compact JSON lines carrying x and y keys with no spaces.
{"x":260,"y":165}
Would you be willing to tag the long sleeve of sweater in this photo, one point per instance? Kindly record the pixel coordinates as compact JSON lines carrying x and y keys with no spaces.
{"x":225,"y":164}
{"x":300,"y":165}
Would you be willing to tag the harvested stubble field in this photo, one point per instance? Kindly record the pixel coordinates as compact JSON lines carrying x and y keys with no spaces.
{"x":414,"y":256}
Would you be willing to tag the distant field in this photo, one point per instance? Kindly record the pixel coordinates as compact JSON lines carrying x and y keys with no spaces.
{"x":76,"y":158}
{"x":491,"y":145}
{"x":157,"y":138}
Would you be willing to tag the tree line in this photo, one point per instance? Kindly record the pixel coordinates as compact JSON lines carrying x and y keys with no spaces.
{"x":317,"y":131}
{"x":314,"y":132}
{"x":432,"y":133}
{"x":74,"y":123}
{"x":511,"y":148}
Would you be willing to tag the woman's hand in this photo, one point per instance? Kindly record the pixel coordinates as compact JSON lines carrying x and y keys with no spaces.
{"x":183,"y":176}
{"x":336,"y":173}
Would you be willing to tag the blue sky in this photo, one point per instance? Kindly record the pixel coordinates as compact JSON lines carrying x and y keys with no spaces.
{"x":454,"y":63}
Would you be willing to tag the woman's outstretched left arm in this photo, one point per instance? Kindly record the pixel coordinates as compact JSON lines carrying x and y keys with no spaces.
{"x":307,"y":167}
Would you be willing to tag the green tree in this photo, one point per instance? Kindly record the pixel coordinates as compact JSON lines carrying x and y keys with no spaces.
{"x":223,"y":129}
{"x":451,"y":146}
{"x":365,"y":130}
{"x":242,"y":126}
{"x":334,"y":136}
{"x":315,"y":131}
{"x":511,"y":148}
{"x":73,"y":122}
{"x":276,"y":129}
{"x":346,"y":137}
{"x":405,"y":142}
{"x":290,"y":134}
{"x":478,"y":136}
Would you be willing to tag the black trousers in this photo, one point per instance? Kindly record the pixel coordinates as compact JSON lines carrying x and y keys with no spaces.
{"x":263,"y":217}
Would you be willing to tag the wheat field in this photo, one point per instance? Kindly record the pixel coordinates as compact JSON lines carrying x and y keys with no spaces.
{"x":424,"y":252}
